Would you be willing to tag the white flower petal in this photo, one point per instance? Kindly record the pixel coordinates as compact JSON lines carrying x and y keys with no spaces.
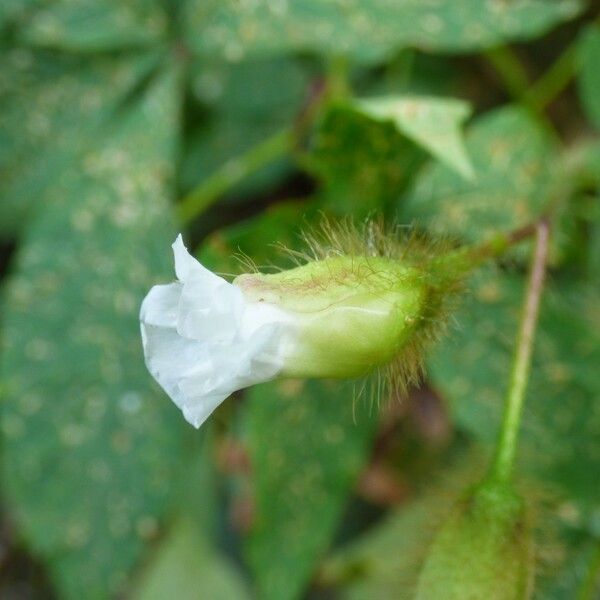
{"x":160,"y":306}
{"x":186,"y":265}
{"x":209,"y":310}
{"x":203,"y":341}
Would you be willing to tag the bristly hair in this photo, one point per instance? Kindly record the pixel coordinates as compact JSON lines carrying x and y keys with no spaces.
{"x":372,"y":238}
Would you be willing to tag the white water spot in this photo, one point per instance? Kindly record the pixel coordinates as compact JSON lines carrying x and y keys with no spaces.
{"x":99,"y":471}
{"x":234,"y":52}
{"x":72,"y":434}
{"x":95,"y":407}
{"x":13,"y":426}
{"x":130,"y":402}
{"x":125,"y":302}
{"x":208,"y":87}
{"x":82,"y":220}
{"x":432,"y":23}
{"x":30,"y":403}
{"x":38,"y":349}
{"x":77,"y":534}
{"x":119,"y":525}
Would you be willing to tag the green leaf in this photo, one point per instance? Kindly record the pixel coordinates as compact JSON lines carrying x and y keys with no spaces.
{"x":188,"y":567}
{"x":50,"y":109}
{"x":187,"y":564}
{"x":561,"y":428}
{"x":259,"y":239}
{"x":433,"y":123}
{"x":385,"y":561}
{"x":369,"y":30}
{"x":363,"y":164}
{"x":247,"y":103}
{"x":307,"y":445}
{"x":515,"y":180}
{"x":91,"y":447}
{"x":95,"y":25}
{"x":12,"y":10}
{"x":589,"y":76}
{"x":577,"y":572}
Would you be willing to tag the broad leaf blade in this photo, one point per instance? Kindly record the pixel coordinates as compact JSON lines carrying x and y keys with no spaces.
{"x":307,"y":446}
{"x":506,"y":141}
{"x":432,"y":123}
{"x":367,"y":30}
{"x":91,"y":447}
{"x":363,"y":164}
{"x":95,"y":25}
{"x":244,"y":104}
{"x":50,"y":108}
{"x":189,"y":567}
{"x":12,"y":10}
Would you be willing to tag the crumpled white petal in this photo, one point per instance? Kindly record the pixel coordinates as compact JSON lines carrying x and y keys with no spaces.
{"x":203,"y":341}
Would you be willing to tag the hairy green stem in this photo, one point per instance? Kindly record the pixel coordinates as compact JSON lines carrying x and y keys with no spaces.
{"x":234,"y":171}
{"x":504,"y":460}
{"x":467,"y":258}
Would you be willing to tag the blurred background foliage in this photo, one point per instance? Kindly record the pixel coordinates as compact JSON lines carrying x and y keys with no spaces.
{"x":239,"y":123}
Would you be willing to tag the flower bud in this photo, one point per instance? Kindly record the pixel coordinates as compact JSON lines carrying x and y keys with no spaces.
{"x":338,"y":316}
{"x":347,"y":315}
{"x":484,"y":550}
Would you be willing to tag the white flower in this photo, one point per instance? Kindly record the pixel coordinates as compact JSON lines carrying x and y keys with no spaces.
{"x":203,"y":341}
{"x":339,"y":316}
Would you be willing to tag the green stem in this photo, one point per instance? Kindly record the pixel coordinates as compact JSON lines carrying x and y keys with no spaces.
{"x":537,"y":96}
{"x":508,"y":66}
{"x":467,"y":258}
{"x":338,"y":80}
{"x":507,"y":442}
{"x":232,"y":172}
{"x":553,"y":81}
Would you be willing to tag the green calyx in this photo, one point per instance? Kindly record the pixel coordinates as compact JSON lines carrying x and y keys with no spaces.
{"x":349,"y":314}
{"x":484,"y":549}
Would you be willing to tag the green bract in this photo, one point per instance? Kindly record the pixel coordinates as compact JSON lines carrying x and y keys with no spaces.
{"x":484,"y":550}
{"x":350,"y":314}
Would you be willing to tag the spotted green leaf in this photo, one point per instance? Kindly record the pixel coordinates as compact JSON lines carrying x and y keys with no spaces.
{"x":367,"y":30}
{"x":589,"y":77}
{"x":93,"y":25}
{"x":503,"y":142}
{"x":246,"y":103}
{"x":50,"y":108}
{"x":432,"y":123}
{"x":91,"y":446}
{"x":561,"y":429}
{"x":307,"y":443}
{"x":188,"y":567}
{"x":363,"y":164}
{"x":12,"y":10}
